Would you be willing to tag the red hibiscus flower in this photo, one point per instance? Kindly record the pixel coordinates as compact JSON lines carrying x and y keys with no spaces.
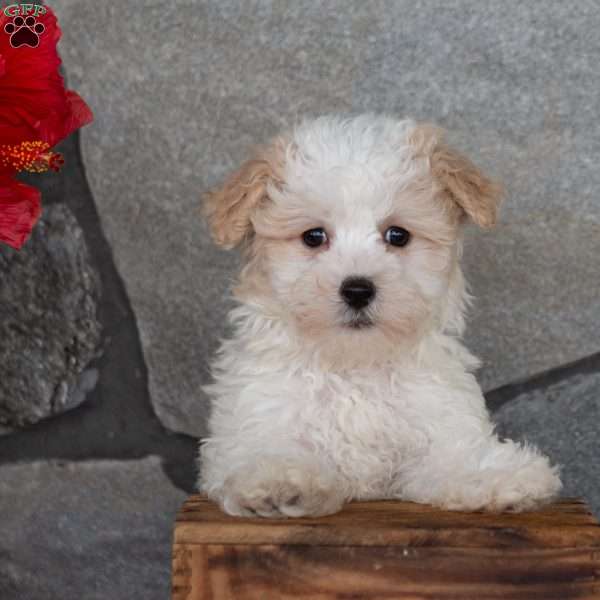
{"x":36,"y":112}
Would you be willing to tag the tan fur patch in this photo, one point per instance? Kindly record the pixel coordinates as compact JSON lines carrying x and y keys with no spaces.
{"x":229,"y":207}
{"x":477,"y":195}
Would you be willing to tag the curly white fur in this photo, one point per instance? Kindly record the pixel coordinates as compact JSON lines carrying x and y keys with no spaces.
{"x":309,"y":412}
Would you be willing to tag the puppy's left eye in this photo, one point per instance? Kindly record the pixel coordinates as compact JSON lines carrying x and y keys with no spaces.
{"x":314,"y":238}
{"x":396,"y":236}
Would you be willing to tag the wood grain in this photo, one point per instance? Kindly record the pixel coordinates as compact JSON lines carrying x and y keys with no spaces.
{"x":568,"y":523}
{"x":388,"y":550}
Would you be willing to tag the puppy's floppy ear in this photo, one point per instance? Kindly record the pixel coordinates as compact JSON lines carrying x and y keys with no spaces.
{"x":229,"y":208}
{"x":477,"y":195}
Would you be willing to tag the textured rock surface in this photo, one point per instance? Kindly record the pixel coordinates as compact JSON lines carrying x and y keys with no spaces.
{"x":49,"y":331}
{"x":92,"y":530}
{"x":181,"y":89}
{"x":563,"y":421}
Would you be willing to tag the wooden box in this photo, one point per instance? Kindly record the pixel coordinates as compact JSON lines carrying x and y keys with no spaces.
{"x":388,"y":550}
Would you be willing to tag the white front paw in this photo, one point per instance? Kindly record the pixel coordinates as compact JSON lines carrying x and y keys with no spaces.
{"x":524,"y":487}
{"x":279,"y":488}
{"x":527,"y":487}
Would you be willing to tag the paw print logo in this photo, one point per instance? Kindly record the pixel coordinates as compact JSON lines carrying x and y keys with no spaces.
{"x":24,"y":31}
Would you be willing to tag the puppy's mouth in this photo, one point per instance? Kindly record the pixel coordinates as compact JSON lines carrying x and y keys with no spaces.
{"x":358,"y":320}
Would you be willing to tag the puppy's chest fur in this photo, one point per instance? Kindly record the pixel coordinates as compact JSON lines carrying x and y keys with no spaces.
{"x":367,"y":423}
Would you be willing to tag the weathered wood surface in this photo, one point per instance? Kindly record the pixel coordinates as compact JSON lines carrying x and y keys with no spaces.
{"x":377,"y":550}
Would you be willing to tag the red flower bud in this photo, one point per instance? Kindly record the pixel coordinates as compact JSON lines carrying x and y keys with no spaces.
{"x":36,"y":112}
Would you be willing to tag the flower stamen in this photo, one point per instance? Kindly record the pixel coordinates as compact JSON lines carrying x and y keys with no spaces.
{"x":32,"y":156}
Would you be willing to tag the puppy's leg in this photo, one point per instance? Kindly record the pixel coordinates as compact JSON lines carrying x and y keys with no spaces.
{"x":272,"y":485}
{"x":481,"y":473}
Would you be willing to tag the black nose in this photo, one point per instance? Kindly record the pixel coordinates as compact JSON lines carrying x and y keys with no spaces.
{"x":357,"y":292}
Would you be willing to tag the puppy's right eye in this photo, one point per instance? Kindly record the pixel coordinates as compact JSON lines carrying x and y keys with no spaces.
{"x":313,"y":238}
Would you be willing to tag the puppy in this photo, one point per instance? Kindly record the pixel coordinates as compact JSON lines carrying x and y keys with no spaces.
{"x":345,"y":377}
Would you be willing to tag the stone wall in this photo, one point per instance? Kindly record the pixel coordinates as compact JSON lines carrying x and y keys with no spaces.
{"x":180,"y":91}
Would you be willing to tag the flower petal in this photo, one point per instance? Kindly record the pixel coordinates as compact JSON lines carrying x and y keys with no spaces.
{"x":20,"y":209}
{"x":34,"y":104}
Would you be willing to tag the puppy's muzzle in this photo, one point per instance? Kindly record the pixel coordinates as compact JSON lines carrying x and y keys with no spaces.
{"x":357,"y":292}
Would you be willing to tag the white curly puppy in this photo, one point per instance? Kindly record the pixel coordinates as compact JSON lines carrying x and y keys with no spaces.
{"x":345,"y":377}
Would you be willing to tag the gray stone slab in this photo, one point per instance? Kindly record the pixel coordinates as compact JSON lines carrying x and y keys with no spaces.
{"x":92,"y":530}
{"x":49,"y":328}
{"x":180,"y":90}
{"x":563,"y":421}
